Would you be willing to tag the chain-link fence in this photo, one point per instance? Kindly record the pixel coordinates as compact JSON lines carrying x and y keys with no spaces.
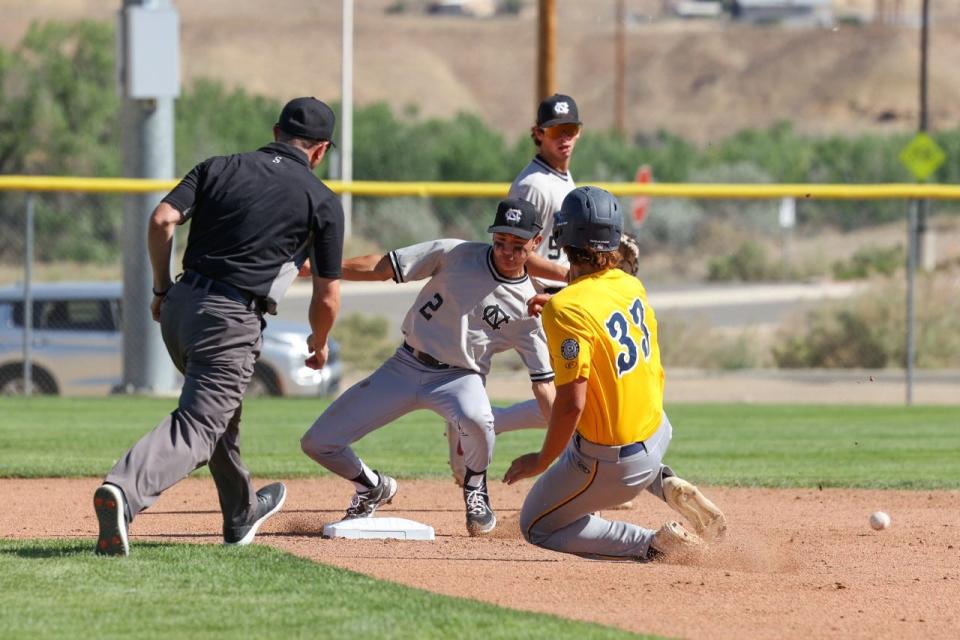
{"x":749,"y":293}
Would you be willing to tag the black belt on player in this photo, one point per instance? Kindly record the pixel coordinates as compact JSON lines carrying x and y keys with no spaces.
{"x":626,"y":450}
{"x":425,"y":358}
{"x":201,"y":281}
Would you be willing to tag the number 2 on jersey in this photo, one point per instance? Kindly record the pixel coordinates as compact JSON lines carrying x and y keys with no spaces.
{"x":432,"y":305}
{"x":619,"y":330}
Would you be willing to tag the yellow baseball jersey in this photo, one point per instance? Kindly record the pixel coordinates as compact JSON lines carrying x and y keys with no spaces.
{"x":602,"y":328}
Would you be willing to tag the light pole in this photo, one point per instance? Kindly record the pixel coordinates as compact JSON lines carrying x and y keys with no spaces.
{"x":149,"y":82}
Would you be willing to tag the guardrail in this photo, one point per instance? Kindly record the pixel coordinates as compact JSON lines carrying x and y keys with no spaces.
{"x":499,"y":189}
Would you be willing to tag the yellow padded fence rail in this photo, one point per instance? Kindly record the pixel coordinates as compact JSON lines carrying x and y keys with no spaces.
{"x":499,"y":189}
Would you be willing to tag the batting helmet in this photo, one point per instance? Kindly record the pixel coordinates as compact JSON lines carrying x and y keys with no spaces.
{"x":589,"y":218}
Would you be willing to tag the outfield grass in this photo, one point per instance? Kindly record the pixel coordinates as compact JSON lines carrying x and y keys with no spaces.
{"x":748,"y":445}
{"x":59,"y":589}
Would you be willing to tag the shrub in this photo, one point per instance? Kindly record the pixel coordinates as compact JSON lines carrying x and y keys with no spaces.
{"x":395,"y":222}
{"x":869,"y":331}
{"x":695,"y":344}
{"x":671,"y":223}
{"x":749,"y":263}
{"x":870,"y":261}
{"x":364,"y":340}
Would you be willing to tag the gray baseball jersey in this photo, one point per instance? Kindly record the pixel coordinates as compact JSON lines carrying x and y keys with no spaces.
{"x":545,"y":187}
{"x":468,"y":311}
{"x":464,"y":314}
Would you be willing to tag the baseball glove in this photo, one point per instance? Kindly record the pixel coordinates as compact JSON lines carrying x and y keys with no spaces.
{"x":629,"y":254}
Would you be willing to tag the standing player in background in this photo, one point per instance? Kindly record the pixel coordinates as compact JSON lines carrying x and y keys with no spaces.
{"x":544,"y":182}
{"x":608,"y":424}
{"x":255,"y":219}
{"x":473,"y":306}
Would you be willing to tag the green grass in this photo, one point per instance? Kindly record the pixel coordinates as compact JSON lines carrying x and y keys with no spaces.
{"x":59,"y":589}
{"x":750,"y":445}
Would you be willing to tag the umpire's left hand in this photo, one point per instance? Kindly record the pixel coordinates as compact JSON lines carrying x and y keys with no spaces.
{"x":155,"y":307}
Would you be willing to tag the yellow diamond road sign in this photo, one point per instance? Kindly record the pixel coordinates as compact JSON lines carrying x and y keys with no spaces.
{"x":922,"y":156}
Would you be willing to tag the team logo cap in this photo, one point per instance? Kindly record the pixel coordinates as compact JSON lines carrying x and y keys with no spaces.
{"x":516,"y":217}
{"x":557,"y":109}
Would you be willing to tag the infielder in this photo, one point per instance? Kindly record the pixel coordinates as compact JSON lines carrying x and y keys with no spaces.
{"x":608,"y":424}
{"x":473,"y":306}
{"x":544,"y":182}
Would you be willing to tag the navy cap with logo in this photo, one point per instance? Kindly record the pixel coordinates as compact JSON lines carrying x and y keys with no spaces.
{"x":557,"y":109}
{"x":308,"y":118}
{"x":516,"y":217}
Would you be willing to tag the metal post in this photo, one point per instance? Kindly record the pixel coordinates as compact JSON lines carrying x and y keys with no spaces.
{"x":923,"y":247}
{"x":147,"y":131}
{"x":788,"y":219}
{"x":917,"y":219}
{"x":28,"y":300}
{"x":546,"y":50}
{"x":346,"y":116}
{"x":911,"y":274}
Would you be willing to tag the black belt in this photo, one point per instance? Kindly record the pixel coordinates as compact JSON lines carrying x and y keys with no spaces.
{"x":626,"y":450}
{"x":425,"y":358}
{"x":201,"y":281}
{"x":552,"y":290}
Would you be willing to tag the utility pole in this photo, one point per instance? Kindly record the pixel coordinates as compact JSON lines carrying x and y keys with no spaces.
{"x":619,"y":65}
{"x":149,"y":81}
{"x":546,"y":50}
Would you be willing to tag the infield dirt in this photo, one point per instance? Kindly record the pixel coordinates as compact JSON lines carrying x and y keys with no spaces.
{"x":797,"y":563}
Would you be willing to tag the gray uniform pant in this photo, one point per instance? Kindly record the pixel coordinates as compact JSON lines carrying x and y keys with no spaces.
{"x":559,"y":512}
{"x":522,"y":415}
{"x":403,"y":384}
{"x":214,"y":341}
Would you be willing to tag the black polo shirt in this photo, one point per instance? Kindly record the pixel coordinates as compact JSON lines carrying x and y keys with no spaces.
{"x":255,"y":217}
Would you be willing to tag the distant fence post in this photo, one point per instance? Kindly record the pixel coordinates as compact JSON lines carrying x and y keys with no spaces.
{"x":912,"y":246}
{"x":28,"y":299}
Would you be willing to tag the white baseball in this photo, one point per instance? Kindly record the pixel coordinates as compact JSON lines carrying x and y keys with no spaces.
{"x":879,"y":520}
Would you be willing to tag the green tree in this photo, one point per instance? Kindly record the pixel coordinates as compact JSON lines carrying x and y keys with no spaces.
{"x":58,"y":113}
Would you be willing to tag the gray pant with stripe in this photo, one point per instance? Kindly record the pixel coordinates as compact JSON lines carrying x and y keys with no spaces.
{"x":559,"y":512}
{"x":214,"y":341}
{"x":402,"y":384}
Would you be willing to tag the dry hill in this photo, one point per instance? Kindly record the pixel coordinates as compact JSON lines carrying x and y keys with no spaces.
{"x":701,"y":79}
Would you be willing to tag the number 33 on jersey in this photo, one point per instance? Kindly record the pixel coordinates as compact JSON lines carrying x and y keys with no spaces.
{"x":601,"y":327}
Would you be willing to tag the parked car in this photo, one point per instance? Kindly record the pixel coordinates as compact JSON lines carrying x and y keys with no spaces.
{"x":77,"y":345}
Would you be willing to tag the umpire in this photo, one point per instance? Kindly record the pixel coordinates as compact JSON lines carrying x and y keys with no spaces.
{"x":255,"y":219}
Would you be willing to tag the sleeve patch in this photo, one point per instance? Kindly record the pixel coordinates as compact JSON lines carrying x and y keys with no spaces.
{"x":569,"y":349}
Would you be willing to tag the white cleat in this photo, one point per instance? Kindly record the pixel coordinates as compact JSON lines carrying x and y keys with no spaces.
{"x":672,"y":541}
{"x":687,"y":500}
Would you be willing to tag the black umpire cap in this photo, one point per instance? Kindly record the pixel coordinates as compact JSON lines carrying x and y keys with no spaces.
{"x":516,"y":217}
{"x":557,"y":109}
{"x":308,"y":118}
